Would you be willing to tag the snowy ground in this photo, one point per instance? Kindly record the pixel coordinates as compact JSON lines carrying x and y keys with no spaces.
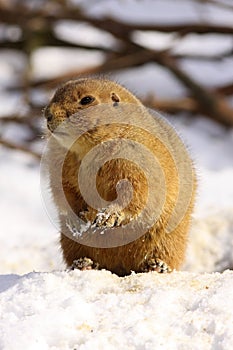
{"x":52,"y":308}
{"x":98,"y":310}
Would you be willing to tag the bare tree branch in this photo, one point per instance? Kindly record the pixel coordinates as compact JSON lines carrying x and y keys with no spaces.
{"x":19,"y":148}
{"x":210,"y":104}
{"x":186,"y":104}
{"x":225,"y":90}
{"x":37,"y":26}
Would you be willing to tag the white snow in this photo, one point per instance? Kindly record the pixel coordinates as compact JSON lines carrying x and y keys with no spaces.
{"x":27,"y":240}
{"x":52,"y":61}
{"x":53,"y":308}
{"x":83,"y":33}
{"x":98,"y":310}
{"x":160,"y":11}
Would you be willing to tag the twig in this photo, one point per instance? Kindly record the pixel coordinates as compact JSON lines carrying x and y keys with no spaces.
{"x":40,"y":21}
{"x":225,"y":90}
{"x":212,"y":105}
{"x":19,"y":148}
{"x":186,"y":104}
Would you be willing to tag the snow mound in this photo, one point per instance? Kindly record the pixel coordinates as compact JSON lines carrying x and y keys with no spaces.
{"x":98,"y":310}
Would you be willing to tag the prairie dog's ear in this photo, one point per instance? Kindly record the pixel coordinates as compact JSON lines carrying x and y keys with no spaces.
{"x":115,"y":99}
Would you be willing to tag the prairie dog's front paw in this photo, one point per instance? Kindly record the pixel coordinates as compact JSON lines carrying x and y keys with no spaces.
{"x":157,"y":265}
{"x":108,"y":218}
{"x":84,"y":264}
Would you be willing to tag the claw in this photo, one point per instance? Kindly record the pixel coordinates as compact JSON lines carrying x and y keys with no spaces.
{"x":84,"y":264}
{"x":157,"y":265}
{"x":107,"y":219}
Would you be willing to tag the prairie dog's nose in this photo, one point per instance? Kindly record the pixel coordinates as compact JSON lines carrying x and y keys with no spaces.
{"x":48,"y":115}
{"x":54,"y":115}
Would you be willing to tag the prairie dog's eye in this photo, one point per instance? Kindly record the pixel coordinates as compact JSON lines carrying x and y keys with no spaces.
{"x":86,"y":100}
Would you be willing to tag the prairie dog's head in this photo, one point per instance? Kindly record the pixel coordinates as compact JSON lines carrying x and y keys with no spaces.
{"x":81,"y":94}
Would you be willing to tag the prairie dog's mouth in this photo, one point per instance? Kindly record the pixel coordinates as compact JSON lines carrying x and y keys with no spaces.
{"x":65,"y":139}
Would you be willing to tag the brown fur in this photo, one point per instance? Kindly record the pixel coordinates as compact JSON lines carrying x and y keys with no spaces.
{"x":155,"y":243}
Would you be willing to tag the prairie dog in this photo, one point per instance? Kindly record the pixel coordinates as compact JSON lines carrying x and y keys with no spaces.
{"x":155,"y":249}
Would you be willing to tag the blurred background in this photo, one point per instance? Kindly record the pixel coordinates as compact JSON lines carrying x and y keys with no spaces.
{"x":176,"y":56}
